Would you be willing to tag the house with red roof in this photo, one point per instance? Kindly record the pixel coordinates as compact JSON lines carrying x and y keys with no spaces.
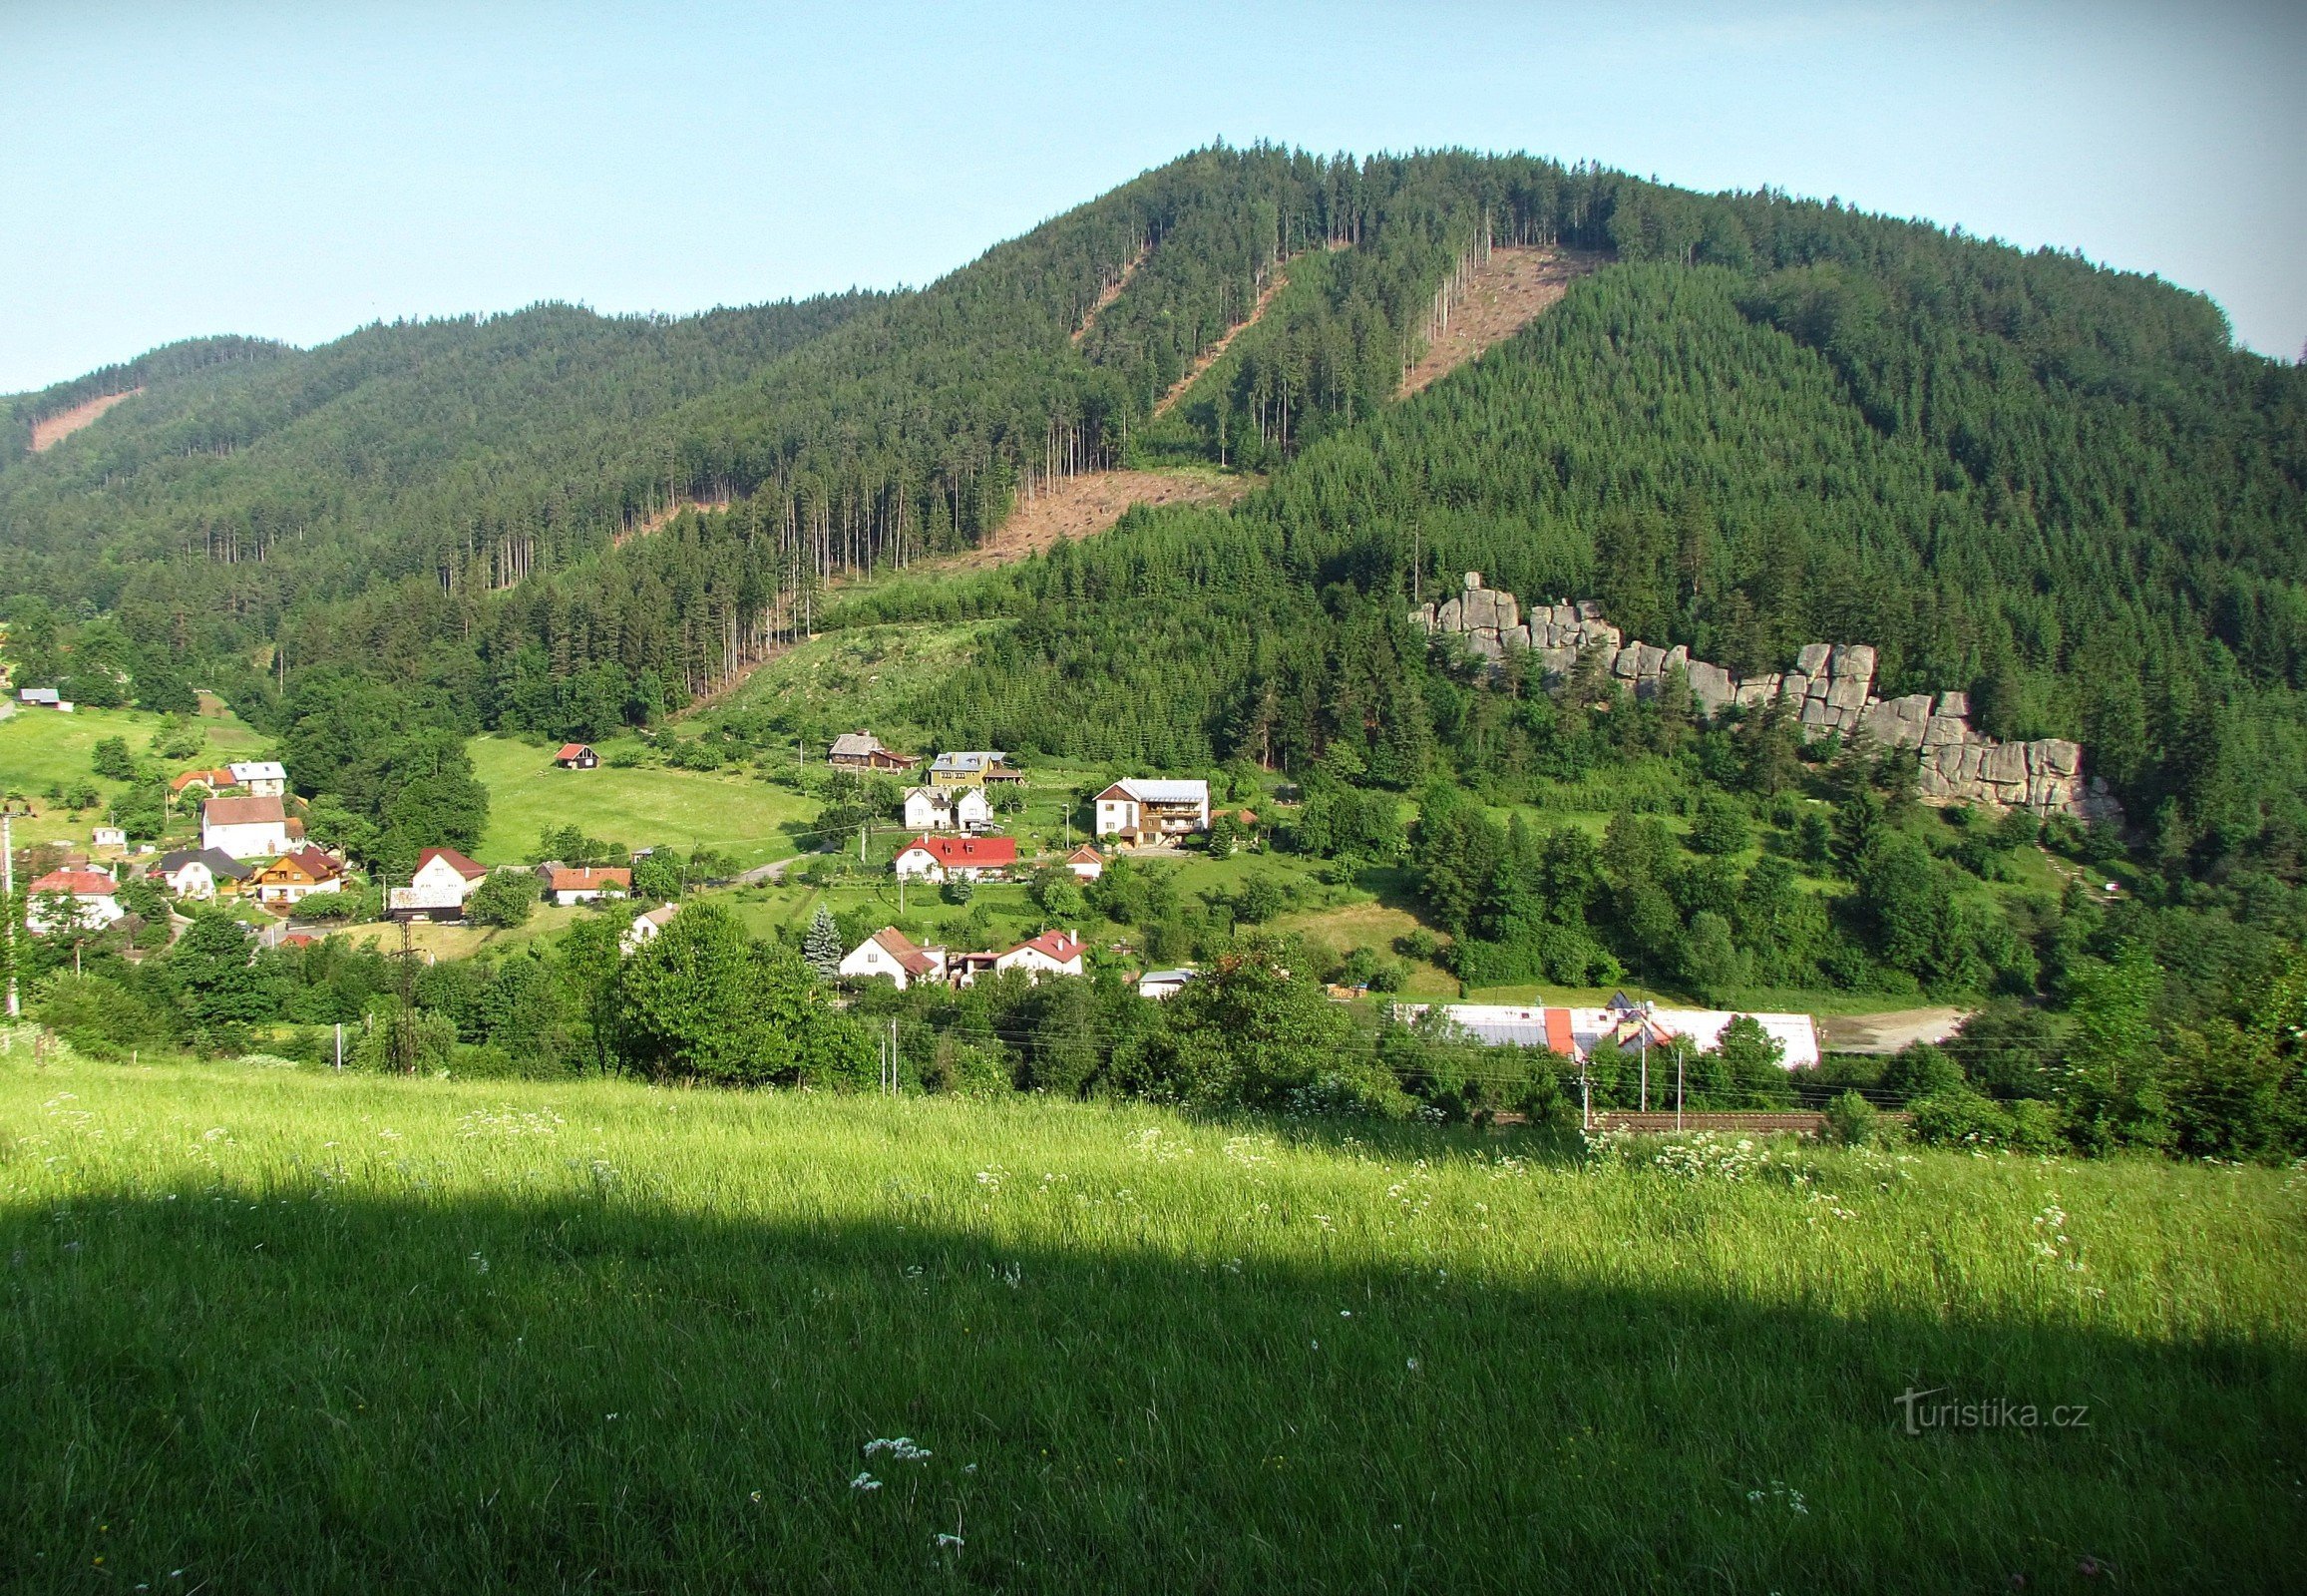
{"x":577,"y":756}
{"x":438,"y":888}
{"x":1086,"y":863}
{"x":938,"y":859}
{"x":585,"y":884}
{"x":1053,"y":953}
{"x":890,"y":954}
{"x":61,"y":896}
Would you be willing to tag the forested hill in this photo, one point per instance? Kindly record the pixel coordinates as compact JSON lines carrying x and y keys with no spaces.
{"x":245,"y":475}
{"x":1768,"y":420}
{"x":2058,"y":487}
{"x":907,"y":428}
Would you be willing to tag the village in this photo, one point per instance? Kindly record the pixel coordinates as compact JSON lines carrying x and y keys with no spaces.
{"x":251,"y":853}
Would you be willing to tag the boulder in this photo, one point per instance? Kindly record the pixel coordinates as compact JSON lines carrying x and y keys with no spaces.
{"x":1957,"y":704}
{"x":1944,"y":729}
{"x":1556,"y":661}
{"x":1647,"y":659}
{"x":2057,"y":755}
{"x":1931,"y":784}
{"x":1812,"y":662}
{"x":1628,"y":662}
{"x":1847,"y":692}
{"x":1815,"y":715}
{"x":1516,"y":639}
{"x":2004,"y":764}
{"x":1853,"y":659}
{"x":1677,"y":658}
{"x":1447,"y":617}
{"x":1590,"y":610}
{"x":1473,"y":581}
{"x":1712,"y":686}
{"x":1422,"y":617}
{"x":1793,"y":689}
{"x":1564,"y":615}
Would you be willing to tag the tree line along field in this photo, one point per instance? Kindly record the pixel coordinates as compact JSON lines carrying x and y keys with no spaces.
{"x":279,"y":1328}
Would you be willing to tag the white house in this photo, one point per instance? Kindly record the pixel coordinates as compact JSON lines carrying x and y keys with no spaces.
{"x":1053,"y":953}
{"x":190,"y":873}
{"x":935,"y":859}
{"x":890,"y":954}
{"x":92,"y":894}
{"x":108,"y":837}
{"x":246,"y":828}
{"x":1162,"y":984}
{"x":438,"y":888}
{"x":1141,"y":811}
{"x":1086,"y":863}
{"x":586,"y":884}
{"x":646,"y":928}
{"x":264,"y":778}
{"x":948,"y":809}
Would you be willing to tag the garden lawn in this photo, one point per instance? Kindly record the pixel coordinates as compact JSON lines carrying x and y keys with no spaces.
{"x":738,"y":815}
{"x":270,"y":1329}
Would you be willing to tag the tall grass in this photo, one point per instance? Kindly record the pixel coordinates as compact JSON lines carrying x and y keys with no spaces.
{"x":274,"y":1330}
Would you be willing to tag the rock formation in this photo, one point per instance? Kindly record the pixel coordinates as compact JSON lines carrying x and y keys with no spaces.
{"x":1830,"y":689}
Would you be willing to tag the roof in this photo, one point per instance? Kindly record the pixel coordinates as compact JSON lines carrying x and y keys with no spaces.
{"x":242,"y":812}
{"x":661,"y":915}
{"x":258,"y":770}
{"x":1177,"y":977}
{"x":1059,"y":946}
{"x":573,"y":750}
{"x":80,"y":883}
{"x":913,"y":958}
{"x":588,"y":878}
{"x":201,"y":778}
{"x":854,"y":744}
{"x":979,"y":851}
{"x":39,"y":696}
{"x":1147,"y":791}
{"x":1085,"y":855}
{"x":219,"y":862}
{"x":972,"y":759}
{"x":454,"y":861}
{"x":314,"y":863}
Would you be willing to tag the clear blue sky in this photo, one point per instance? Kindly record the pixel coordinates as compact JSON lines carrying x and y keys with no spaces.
{"x":295,"y":171}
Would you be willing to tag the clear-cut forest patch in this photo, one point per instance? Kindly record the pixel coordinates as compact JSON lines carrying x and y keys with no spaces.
{"x":50,"y":430}
{"x":1509,"y":290}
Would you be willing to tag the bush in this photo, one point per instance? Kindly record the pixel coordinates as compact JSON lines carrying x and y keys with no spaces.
{"x":1852,"y":1121}
{"x":1960,"y":1117}
{"x":504,"y":898}
{"x":958,"y":889}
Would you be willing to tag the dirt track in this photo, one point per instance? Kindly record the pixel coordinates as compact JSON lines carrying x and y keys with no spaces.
{"x":1887,"y":1032}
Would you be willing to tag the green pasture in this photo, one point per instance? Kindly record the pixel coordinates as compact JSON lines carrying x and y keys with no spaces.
{"x":748,"y":819}
{"x":40,"y":748}
{"x":860,"y":678}
{"x":273,"y":1329}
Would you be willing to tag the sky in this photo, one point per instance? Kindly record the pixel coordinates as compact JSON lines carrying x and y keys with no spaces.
{"x":295,"y":171}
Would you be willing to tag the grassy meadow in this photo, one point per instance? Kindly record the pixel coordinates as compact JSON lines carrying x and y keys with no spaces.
{"x":276,"y":1328}
{"x":736,"y":814}
{"x":40,"y":748}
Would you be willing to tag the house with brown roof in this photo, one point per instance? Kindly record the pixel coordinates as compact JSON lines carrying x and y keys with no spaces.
{"x":862,"y":751}
{"x":1086,"y":863}
{"x":890,"y":954}
{"x":209,"y":781}
{"x":438,"y":888}
{"x":246,"y":828}
{"x":296,"y":876}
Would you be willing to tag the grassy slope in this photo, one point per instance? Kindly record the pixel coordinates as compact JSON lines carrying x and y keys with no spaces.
{"x":38,"y":748}
{"x":747,"y":819}
{"x":861,"y":676}
{"x":283,"y":1330}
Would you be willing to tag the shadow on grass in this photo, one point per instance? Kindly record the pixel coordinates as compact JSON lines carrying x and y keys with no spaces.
{"x":298,"y":1390}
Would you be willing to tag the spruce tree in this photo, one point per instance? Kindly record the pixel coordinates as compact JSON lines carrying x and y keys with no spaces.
{"x":820,"y":947}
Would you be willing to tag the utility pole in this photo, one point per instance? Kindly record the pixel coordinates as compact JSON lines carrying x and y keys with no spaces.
{"x":1585,"y":1097}
{"x":861,"y":842}
{"x":8,"y":901}
{"x":405,"y":1028}
{"x":1646,"y":1064}
{"x":1677,"y":1091}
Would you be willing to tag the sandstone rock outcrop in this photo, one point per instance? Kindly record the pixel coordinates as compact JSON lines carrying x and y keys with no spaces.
{"x":1830,"y":689}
